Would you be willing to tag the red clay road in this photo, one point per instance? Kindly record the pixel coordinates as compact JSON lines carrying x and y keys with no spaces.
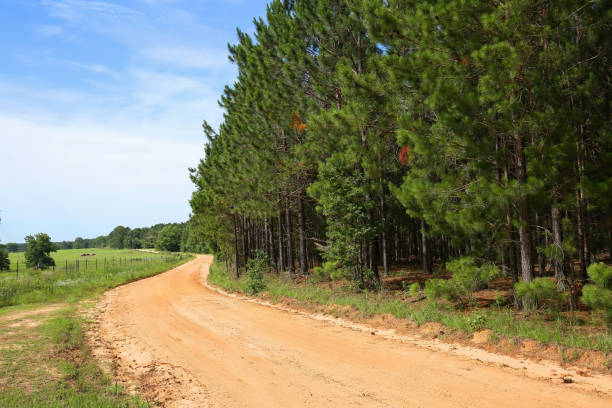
{"x":236,"y":353}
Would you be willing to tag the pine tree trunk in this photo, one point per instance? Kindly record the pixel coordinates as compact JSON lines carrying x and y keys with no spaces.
{"x":372,"y":263}
{"x":523,"y":213}
{"x":511,"y":247}
{"x":290,"y":262}
{"x":580,"y":238}
{"x":249,"y":241}
{"x":415,"y":234}
{"x":559,"y":260}
{"x":265,"y":238}
{"x":396,"y":245}
{"x":583,"y":247}
{"x":581,"y":201}
{"x":425,"y":249}
{"x":541,"y":260}
{"x":302,"y":235}
{"x":271,"y":245}
{"x":245,"y":244}
{"x":281,"y":248}
{"x":383,"y":220}
{"x":236,"y":249}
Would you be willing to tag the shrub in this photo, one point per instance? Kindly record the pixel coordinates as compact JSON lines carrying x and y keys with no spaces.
{"x":5,"y":262}
{"x":601,"y":274}
{"x":256,"y":267}
{"x":599,"y":295}
{"x":414,"y":289}
{"x":328,"y":271}
{"x":476,"y":321}
{"x":467,"y":278}
{"x":538,"y":292}
{"x":500,"y":300}
{"x":437,"y":288}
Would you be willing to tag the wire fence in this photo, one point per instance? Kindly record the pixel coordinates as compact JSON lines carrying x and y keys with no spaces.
{"x":19,"y":267}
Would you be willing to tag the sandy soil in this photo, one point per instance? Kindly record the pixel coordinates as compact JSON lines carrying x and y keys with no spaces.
{"x":184,"y":344}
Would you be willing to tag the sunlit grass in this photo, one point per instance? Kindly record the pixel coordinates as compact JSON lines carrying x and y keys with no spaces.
{"x":53,"y":285}
{"x":501,"y":320}
{"x":67,"y":258}
{"x":51,"y":366}
{"x":44,"y":357}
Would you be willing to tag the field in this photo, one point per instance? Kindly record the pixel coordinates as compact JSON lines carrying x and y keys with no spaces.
{"x":44,"y":358}
{"x":69,"y":257}
{"x":75,"y":277}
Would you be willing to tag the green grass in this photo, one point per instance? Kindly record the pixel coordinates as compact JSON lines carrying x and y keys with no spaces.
{"x":503,"y":321}
{"x":59,"y":285}
{"x":51,"y":366}
{"x":103,"y":256}
{"x":44,"y":358}
{"x":219,"y":276}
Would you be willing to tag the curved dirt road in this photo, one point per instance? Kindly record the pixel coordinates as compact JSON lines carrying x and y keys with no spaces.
{"x":225,"y":352}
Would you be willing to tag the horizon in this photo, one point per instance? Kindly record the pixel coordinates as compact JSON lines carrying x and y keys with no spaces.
{"x":22,"y":242}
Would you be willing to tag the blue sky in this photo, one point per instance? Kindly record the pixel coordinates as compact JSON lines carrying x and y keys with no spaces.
{"x":101,"y":106}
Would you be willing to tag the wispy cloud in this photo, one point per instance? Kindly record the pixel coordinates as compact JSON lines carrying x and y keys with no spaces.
{"x":96,"y":68}
{"x":101,"y":110}
{"x":48,"y":30}
{"x":185,"y":57}
{"x":76,"y":10}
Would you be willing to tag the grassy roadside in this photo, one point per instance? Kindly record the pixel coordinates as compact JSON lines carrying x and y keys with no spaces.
{"x":563,"y":330}
{"x":73,"y":285}
{"x":45,"y":362}
{"x":44,"y":357}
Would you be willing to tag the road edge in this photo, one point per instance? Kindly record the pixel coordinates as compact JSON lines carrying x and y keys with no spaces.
{"x":544,"y":370}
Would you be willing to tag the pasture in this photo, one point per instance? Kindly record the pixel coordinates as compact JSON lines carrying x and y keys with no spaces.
{"x":76,"y":277}
{"x":69,"y":257}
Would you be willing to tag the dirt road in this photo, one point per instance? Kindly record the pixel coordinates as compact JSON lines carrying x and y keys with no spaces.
{"x":191,"y":346}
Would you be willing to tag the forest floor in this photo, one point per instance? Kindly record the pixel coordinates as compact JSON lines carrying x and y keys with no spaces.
{"x":179,"y":341}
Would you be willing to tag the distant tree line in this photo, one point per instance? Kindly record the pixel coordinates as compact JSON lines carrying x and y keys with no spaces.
{"x":173,"y":237}
{"x":362,"y":134}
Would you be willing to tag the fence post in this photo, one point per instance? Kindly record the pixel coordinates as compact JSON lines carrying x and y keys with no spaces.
{"x":66,"y":265}
{"x":18,"y":269}
{"x":85,"y":265}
